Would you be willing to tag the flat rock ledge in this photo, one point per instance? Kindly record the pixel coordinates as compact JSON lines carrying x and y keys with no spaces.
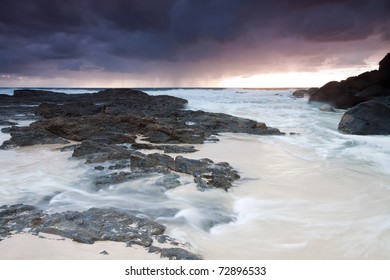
{"x":95,"y":224}
{"x":109,"y":123}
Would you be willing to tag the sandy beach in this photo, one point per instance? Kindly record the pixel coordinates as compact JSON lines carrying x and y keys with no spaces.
{"x":25,"y":246}
{"x":284,"y":207}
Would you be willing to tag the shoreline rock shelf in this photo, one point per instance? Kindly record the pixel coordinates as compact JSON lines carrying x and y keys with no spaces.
{"x":109,"y":122}
{"x":92,"y":225}
{"x":109,"y":126}
{"x":366,"y":96}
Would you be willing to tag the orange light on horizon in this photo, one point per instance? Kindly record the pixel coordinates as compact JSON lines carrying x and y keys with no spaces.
{"x":290,"y":79}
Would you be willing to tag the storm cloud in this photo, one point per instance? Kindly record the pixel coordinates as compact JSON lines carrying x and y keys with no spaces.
{"x":183,"y":39}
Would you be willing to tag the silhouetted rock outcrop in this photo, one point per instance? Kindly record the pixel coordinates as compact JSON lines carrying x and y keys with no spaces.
{"x":367,"y":95}
{"x":299,"y":93}
{"x":354,"y":90}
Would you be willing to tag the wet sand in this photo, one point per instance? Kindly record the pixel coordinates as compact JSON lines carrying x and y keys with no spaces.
{"x":285,"y":207}
{"x":25,"y":246}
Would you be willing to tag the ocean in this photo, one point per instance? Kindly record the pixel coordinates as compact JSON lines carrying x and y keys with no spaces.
{"x":313,"y":193}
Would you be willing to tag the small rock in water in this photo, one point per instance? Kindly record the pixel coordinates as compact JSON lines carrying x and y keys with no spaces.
{"x":99,"y":167}
{"x":326,"y":108}
{"x":169,"y":181}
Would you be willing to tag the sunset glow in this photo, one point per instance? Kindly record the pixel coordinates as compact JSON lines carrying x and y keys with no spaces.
{"x":290,"y":80}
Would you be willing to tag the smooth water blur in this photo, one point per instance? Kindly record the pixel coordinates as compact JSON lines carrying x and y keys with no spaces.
{"x":318,"y":137}
{"x":316,"y":195}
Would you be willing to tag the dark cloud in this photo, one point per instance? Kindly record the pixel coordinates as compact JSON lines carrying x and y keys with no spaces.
{"x":180,"y":36}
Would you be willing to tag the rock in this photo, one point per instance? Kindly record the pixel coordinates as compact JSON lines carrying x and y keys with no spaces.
{"x":104,"y":252}
{"x":300,"y":93}
{"x":166,"y":148}
{"x":337,"y":94}
{"x":4,"y":122}
{"x":119,"y":177}
{"x":17,"y":217}
{"x":31,"y":135}
{"x":206,"y":173}
{"x":48,"y":110}
{"x":107,"y":122}
{"x":152,"y":162}
{"x":373,"y":92}
{"x":384,"y":64}
{"x":115,"y":116}
{"x":190,"y":166}
{"x":119,"y":165}
{"x":169,"y":181}
{"x":178,"y":254}
{"x":99,"y":152}
{"x":70,"y":148}
{"x":354,"y":90}
{"x":154,"y":249}
{"x":326,"y":108}
{"x":89,"y":226}
{"x":367,"y":118}
{"x":84,"y":227}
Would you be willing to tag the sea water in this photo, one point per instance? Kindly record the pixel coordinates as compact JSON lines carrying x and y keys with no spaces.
{"x":315,"y":194}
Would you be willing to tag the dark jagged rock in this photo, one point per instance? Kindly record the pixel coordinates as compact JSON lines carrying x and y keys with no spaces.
{"x":156,"y":161}
{"x":384,"y":64}
{"x":207,"y":173}
{"x":169,"y":181}
{"x":368,"y":97}
{"x":214,"y":123}
{"x":99,"y":128}
{"x":31,"y":135}
{"x":87,"y":227}
{"x":300,"y":93}
{"x":48,"y":110}
{"x":166,"y":148}
{"x":4,"y":122}
{"x":120,"y":177}
{"x":70,"y":148}
{"x":337,"y":94}
{"x":367,"y":118}
{"x":120,"y":165}
{"x":116,"y":115}
{"x":106,"y":122}
{"x":178,"y":254}
{"x":354,"y":90}
{"x":95,"y":152}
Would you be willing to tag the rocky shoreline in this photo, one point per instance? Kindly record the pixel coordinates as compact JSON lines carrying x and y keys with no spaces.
{"x":366,"y":98}
{"x":94,"y":225}
{"x":122,"y":134}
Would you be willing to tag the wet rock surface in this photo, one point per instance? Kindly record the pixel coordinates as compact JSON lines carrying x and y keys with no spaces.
{"x":166,"y":148}
{"x":109,"y":122}
{"x":117,"y":115}
{"x":354,"y":90}
{"x":366,"y":97}
{"x":367,"y":118}
{"x":89,"y":226}
{"x":300,"y":93}
{"x":108,"y":126}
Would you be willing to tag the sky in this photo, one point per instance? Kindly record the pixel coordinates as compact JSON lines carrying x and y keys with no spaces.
{"x":189,"y":43}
